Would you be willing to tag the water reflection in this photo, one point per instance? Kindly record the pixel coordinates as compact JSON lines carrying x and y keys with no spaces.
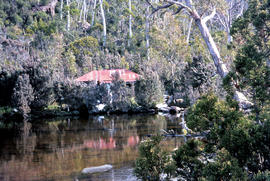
{"x":60,"y":149}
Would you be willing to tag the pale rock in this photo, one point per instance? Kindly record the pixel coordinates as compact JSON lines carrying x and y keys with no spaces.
{"x":102,"y":168}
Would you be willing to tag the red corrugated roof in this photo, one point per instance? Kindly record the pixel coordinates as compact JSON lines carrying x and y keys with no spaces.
{"x":106,"y":76}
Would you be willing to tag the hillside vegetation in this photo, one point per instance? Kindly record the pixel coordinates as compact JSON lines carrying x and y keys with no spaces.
{"x":45,"y":44}
{"x":183,"y":49}
{"x":212,"y":55}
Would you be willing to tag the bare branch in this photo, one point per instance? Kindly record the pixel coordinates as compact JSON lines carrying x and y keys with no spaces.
{"x":222,"y":21}
{"x":181,"y":5}
{"x":192,"y":12}
{"x":189,"y":30}
{"x":155,"y":9}
{"x":178,"y":10}
{"x":207,"y":18}
{"x":161,"y":7}
{"x":232,"y":6}
{"x":150,"y":4}
{"x":241,"y":11}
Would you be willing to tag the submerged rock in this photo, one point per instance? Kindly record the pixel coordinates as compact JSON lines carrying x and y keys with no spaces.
{"x":102,"y":168}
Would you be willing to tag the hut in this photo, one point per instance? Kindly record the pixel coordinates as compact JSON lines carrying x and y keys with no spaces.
{"x":107,"y":76}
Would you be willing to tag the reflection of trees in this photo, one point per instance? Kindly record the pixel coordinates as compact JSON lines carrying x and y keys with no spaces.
{"x":151,"y":124}
{"x":17,"y":166}
{"x":27,"y":143}
{"x":58,"y":148}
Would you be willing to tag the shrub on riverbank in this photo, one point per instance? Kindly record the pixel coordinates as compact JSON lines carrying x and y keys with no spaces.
{"x":235,"y":147}
{"x":153,"y":161}
{"x":149,"y":90}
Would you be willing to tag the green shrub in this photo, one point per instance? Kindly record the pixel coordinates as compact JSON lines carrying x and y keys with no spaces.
{"x":149,"y":91}
{"x":187,"y":160}
{"x":153,"y":161}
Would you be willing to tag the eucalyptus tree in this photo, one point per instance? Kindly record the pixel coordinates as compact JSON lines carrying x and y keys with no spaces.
{"x":103,"y":22}
{"x":231,"y":10}
{"x":83,"y":12}
{"x":130,"y":21}
{"x":147,"y":29}
{"x":198,"y":11}
{"x":61,"y":9}
{"x":68,"y":16}
{"x":94,"y":4}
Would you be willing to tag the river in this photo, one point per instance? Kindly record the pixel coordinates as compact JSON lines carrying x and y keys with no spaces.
{"x":59,"y":149}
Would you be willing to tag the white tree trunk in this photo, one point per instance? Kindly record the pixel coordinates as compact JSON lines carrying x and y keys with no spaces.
{"x":81,"y":13}
{"x":87,"y":8}
{"x":68,"y":16}
{"x":84,"y":11}
{"x":93,"y":12}
{"x":78,"y":3}
{"x":130,"y":23}
{"x":220,"y":65}
{"x":61,"y":10}
{"x":211,"y":45}
{"x":103,"y":22}
{"x":229,"y":36}
{"x":147,"y":29}
{"x":189,"y":30}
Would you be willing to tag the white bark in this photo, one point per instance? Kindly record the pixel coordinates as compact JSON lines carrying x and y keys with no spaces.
{"x":81,"y":12}
{"x":61,"y":10}
{"x":189,"y":30}
{"x":68,"y":16}
{"x":78,"y":3}
{"x":234,"y":10}
{"x":130,"y":22}
{"x":84,"y":11}
{"x":103,"y":22}
{"x":211,"y":45}
{"x":229,"y":36}
{"x":93,"y":12}
{"x":88,"y":4}
{"x":147,"y":28}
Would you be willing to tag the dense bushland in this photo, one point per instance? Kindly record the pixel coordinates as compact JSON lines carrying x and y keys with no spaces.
{"x":44,"y":46}
{"x":236,"y":145}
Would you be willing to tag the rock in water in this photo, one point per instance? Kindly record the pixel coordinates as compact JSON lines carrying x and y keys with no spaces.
{"x":175,"y":110}
{"x":102,"y":168}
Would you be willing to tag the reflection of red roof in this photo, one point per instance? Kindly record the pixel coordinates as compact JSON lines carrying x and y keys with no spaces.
{"x":106,"y":76}
{"x":100,"y":144}
{"x":133,"y":140}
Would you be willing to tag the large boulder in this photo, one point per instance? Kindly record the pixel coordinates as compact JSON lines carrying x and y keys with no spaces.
{"x":102,"y":168}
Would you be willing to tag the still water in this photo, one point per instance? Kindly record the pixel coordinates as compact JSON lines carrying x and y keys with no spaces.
{"x":60,"y":149}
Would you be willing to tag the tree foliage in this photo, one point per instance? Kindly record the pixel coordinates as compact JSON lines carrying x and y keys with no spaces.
{"x":149,"y":90}
{"x":235,"y":147}
{"x":251,"y":69}
{"x":152,"y":161}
